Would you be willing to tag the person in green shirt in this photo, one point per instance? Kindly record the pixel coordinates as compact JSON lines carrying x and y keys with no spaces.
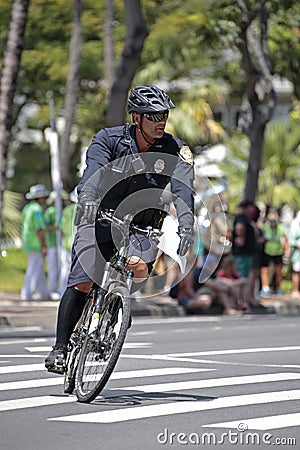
{"x":51,"y":242}
{"x":276,"y":246}
{"x":67,"y":235}
{"x":294,"y":241}
{"x":34,"y":244}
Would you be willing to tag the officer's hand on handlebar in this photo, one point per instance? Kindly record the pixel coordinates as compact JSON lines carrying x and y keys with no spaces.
{"x":86,"y":208}
{"x":185,"y":235}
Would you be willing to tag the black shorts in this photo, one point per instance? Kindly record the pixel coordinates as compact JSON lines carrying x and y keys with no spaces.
{"x":267,"y":259}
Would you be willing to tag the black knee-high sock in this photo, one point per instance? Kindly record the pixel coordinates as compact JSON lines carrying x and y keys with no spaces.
{"x":69,"y":312}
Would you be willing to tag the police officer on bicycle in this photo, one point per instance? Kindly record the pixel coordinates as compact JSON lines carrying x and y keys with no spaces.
{"x":127,"y":169}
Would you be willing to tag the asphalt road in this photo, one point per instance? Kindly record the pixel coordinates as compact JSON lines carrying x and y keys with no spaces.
{"x":180,"y":383}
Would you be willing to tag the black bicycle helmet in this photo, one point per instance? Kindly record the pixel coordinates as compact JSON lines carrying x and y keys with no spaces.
{"x":145,"y":99}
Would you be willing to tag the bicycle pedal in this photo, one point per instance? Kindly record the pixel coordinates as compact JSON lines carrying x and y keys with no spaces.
{"x":59,"y":369}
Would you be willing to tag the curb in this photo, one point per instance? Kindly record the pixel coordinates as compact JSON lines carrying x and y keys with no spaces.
{"x":17,"y":313}
{"x":287,"y":309}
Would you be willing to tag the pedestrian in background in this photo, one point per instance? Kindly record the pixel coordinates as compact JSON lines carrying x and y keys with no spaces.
{"x":275,"y":248}
{"x":34,"y":244}
{"x":243,"y":239}
{"x":294,"y":242}
{"x":238,"y":285}
{"x":51,"y":242}
{"x":254,"y":275}
{"x":68,"y":230}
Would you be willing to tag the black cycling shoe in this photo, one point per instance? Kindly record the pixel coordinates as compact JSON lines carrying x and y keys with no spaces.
{"x":56,"y":360}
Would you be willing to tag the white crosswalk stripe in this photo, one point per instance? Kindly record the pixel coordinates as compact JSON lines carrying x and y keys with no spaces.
{"x":166,"y":409}
{"x":201,"y":384}
{"x":171,"y":379}
{"x":22,"y":368}
{"x":33,"y":402}
{"x":46,"y":349}
{"x":262,"y":423}
{"x":42,"y":382}
{"x":166,"y":387}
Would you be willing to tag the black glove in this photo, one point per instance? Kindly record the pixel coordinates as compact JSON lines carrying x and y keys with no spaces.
{"x":86,"y":208}
{"x":185,"y":235}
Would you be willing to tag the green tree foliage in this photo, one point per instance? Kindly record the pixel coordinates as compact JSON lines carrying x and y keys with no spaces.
{"x":279,"y":178}
{"x":279,"y":182}
{"x":193,"y":50}
{"x":11,"y":215}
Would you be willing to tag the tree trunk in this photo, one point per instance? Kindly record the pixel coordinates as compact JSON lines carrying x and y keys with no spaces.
{"x":260,"y":98}
{"x":137,"y":32}
{"x":72,"y":92}
{"x":256,"y":136}
{"x":8,"y":83}
{"x":109,"y":43}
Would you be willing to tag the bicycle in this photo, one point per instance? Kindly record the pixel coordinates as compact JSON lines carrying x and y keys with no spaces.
{"x":98,"y":338}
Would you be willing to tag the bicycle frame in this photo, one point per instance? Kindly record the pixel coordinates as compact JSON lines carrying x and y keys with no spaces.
{"x":115,"y":270}
{"x":102,"y":329}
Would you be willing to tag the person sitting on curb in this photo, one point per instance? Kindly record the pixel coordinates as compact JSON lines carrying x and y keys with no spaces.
{"x":200,"y":297}
{"x":238,"y":285}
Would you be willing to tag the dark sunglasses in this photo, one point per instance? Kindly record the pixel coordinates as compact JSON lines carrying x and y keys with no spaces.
{"x":157,"y":117}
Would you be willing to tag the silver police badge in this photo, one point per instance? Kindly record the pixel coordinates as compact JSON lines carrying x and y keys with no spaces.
{"x":159,"y":166}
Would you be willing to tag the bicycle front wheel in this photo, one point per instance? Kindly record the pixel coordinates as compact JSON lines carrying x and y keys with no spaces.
{"x":102,"y":347}
{"x":76,"y":341}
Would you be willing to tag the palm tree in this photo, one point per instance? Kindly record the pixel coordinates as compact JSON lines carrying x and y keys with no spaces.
{"x":279,"y":178}
{"x":192,"y":120}
{"x":8,"y":84}
{"x":11,"y":216}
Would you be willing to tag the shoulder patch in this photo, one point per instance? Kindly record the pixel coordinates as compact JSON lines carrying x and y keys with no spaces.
{"x":185,"y":154}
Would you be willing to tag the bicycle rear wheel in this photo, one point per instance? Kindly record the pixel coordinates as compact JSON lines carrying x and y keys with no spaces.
{"x":101,"y":349}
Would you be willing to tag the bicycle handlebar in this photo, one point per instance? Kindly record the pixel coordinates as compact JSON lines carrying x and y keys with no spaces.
{"x":108,"y":217}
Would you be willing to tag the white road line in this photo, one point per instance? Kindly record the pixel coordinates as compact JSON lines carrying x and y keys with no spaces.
{"x":214,"y":382}
{"x":29,"y":384}
{"x":22,"y":341}
{"x":33,"y":402}
{"x":262,"y":423}
{"x":206,"y":361}
{"x":45,"y":349}
{"x":236,"y":351}
{"x":126,"y":345}
{"x":38,"y":401}
{"x":144,"y":373}
{"x":20,"y":368}
{"x":138,"y":345}
{"x":142,"y":333}
{"x":181,"y":319}
{"x":20,"y":356}
{"x":13,"y":329}
{"x":115,"y":376}
{"x":162,"y":387}
{"x":153,"y":372}
{"x":165,"y":409}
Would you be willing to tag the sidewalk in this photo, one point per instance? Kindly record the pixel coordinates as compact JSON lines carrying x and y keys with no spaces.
{"x":17,"y":313}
